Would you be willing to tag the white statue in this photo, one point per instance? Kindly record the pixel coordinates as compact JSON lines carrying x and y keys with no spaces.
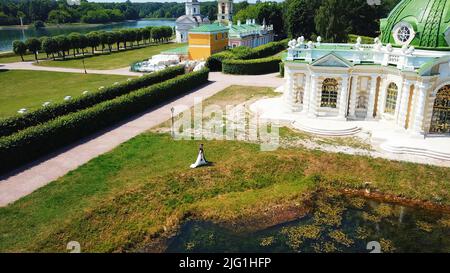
{"x":201,"y":160}
{"x":301,"y":40}
{"x":389,"y":48}
{"x":292,"y":43}
{"x":404,"y":49}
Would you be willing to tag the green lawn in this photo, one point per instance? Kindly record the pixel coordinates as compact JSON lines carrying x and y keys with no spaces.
{"x":122,"y":199}
{"x":30,"y":89}
{"x":114,"y":60}
{"x":12,"y":58}
{"x":101,"y":61}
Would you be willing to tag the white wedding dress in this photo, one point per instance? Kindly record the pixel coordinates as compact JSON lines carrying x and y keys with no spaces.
{"x":201,"y":160}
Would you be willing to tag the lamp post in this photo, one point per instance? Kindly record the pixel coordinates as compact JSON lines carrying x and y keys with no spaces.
{"x":84,"y":66}
{"x":172,"y":110}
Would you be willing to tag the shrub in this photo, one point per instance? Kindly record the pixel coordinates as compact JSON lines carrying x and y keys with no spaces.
{"x":282,"y":69}
{"x":19,"y":122}
{"x":242,"y":52}
{"x":39,"y":140}
{"x":214,"y":62}
{"x":39,"y":24}
{"x":266,"y":50}
{"x":251,"y":67}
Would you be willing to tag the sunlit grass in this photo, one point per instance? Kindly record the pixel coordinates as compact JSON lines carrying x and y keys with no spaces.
{"x":30,"y":89}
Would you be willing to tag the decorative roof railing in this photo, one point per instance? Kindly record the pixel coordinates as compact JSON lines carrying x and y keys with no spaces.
{"x":405,"y":58}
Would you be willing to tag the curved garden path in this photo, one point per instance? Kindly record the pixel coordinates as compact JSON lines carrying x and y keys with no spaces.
{"x":39,"y":173}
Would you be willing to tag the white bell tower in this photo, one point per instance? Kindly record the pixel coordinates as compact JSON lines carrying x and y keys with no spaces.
{"x":192,"y":7}
{"x":225,"y":10}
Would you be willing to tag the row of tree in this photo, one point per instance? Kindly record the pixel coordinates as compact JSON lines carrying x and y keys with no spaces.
{"x":62,"y":45}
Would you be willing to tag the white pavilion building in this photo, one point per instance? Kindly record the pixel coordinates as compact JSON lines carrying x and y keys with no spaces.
{"x":403,"y":78}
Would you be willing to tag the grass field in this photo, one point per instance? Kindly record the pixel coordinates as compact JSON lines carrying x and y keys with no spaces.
{"x":100,"y":61}
{"x":122,"y":199}
{"x":30,"y":89}
{"x":113,"y":60}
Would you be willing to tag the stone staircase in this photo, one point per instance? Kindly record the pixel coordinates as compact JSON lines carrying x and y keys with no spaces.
{"x":405,"y":150}
{"x":331,"y":131}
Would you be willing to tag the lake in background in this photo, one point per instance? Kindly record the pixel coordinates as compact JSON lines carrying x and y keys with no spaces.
{"x":7,"y":36}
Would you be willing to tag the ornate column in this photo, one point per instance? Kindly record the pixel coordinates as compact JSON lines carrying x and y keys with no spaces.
{"x":404,"y":102}
{"x":419,"y":114}
{"x":306,"y":94}
{"x":353,"y":97}
{"x":313,"y":97}
{"x":398,"y":103}
{"x":289,"y":88}
{"x":372,"y":96}
{"x":382,"y":97}
{"x":343,"y":98}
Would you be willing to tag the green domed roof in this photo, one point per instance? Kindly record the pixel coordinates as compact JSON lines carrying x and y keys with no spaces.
{"x":421,"y":23}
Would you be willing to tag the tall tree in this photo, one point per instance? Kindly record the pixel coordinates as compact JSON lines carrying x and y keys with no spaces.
{"x":19,"y":48}
{"x":49,"y":45}
{"x":34,"y":45}
{"x":300,"y":17}
{"x":331,"y":21}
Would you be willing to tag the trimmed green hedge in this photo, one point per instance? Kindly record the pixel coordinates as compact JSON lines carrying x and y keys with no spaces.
{"x":39,"y":140}
{"x":282,"y":69}
{"x":214,"y":62}
{"x":267,"y":50}
{"x":252,"y":67}
{"x":16,"y":123}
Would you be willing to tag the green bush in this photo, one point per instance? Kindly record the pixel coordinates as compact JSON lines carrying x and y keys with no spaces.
{"x":365,"y":40}
{"x":39,"y":140}
{"x":281,"y":69}
{"x":251,"y":67}
{"x":266,"y":50}
{"x":19,"y":122}
{"x":241,"y":52}
{"x":214,"y":62}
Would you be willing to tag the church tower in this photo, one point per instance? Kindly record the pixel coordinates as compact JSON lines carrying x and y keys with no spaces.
{"x":225,"y":10}
{"x":192,"y":7}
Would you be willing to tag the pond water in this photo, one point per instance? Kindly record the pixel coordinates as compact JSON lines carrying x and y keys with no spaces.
{"x":335,"y":224}
{"x":7,"y":36}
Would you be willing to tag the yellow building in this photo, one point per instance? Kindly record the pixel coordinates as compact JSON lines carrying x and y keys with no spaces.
{"x":206,"y":40}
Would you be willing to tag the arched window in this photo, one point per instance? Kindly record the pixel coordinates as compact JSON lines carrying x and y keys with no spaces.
{"x":391,"y":98}
{"x":329,"y":93}
{"x":223,"y":8}
{"x":440,"y":122}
